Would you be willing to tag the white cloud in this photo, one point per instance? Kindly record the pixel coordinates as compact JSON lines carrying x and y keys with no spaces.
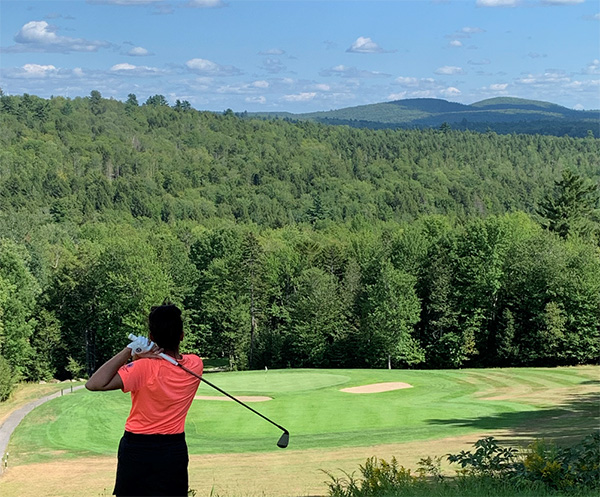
{"x":244,"y":88}
{"x":551,"y":77}
{"x":497,"y":3}
{"x":272,"y":51}
{"x":463,"y":34}
{"x":423,"y":88}
{"x":202,"y":65}
{"x":593,"y":67}
{"x":583,"y":85}
{"x":206,"y":4}
{"x":204,"y":80}
{"x":138,"y":52}
{"x":365,"y":45}
{"x":422,"y":94}
{"x":260,"y":84}
{"x":411,"y":82}
{"x":273,"y":65}
{"x":406,"y":81}
{"x":39,"y":36}
{"x":200,"y":85}
{"x":37,"y":32}
{"x":123,"y":67}
{"x":38,"y":71}
{"x":498,"y":86}
{"x":449,"y":70}
{"x":470,"y":30}
{"x":131,"y":70}
{"x":256,"y":100}
{"x":352,"y":72}
{"x":288,"y":81}
{"x":397,"y":96}
{"x":322,"y":87}
{"x":41,"y":72}
{"x":300,"y":97}
{"x":450,"y":92}
{"x":209,"y":68}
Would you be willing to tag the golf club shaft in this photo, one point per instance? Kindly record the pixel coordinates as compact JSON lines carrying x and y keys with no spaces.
{"x":173,"y":361}
{"x":204,"y":380}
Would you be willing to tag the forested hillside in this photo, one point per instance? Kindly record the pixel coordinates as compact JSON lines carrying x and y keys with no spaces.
{"x":502,"y":115}
{"x":290,"y":244}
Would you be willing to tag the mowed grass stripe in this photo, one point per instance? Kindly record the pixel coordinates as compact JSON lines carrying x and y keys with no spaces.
{"x":311,"y":406}
{"x":538,"y":387}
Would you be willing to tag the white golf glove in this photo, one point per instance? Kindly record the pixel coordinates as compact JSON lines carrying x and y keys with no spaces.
{"x":140,"y":345}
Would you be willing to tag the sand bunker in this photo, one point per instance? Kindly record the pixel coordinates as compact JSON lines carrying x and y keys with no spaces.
{"x":243,"y":398}
{"x":377,"y":387}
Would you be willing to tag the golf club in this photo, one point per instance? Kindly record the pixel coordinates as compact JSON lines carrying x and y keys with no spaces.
{"x":285,"y":437}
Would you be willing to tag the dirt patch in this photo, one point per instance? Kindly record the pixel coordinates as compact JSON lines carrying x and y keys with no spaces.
{"x":242,"y":398}
{"x":377,"y":387}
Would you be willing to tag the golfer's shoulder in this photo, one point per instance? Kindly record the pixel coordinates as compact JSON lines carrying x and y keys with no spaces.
{"x":193,"y":362}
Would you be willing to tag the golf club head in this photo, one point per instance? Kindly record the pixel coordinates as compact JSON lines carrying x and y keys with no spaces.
{"x":284,"y":440}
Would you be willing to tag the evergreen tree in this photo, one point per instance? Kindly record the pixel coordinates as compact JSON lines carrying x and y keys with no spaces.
{"x":571,"y":208}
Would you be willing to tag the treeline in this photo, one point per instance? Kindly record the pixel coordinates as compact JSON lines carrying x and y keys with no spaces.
{"x":496,"y":292}
{"x":256,"y":229}
{"x":555,"y":127}
{"x":87,"y":159}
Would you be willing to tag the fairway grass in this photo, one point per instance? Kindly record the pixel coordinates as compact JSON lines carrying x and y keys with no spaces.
{"x":329,"y":429}
{"x":28,"y":392}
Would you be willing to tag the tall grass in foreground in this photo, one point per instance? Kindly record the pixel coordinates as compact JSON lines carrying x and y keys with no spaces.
{"x":542,"y":470}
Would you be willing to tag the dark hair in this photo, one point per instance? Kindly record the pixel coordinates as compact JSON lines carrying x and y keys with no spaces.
{"x":166,"y":325}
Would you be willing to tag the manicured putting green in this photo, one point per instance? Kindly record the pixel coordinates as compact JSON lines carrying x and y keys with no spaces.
{"x":311,"y":406}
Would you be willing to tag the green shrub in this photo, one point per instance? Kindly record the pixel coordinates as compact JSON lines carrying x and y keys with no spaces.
{"x":379,"y":479}
{"x":564,"y":468}
{"x":74,"y":368}
{"x":490,"y":471}
{"x":8,"y":379}
{"x":489,"y":459}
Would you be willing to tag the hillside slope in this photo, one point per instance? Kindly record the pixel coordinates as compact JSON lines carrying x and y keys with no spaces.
{"x":502,"y":114}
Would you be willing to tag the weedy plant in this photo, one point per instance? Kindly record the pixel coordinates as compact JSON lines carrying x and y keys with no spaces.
{"x":489,"y":460}
{"x":491,"y":470}
{"x":563,"y":468}
{"x":379,"y":478}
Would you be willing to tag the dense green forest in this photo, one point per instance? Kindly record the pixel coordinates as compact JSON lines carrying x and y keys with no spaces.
{"x":290,"y":244}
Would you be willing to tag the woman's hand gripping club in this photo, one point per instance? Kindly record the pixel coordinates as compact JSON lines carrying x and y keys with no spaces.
{"x":142,"y":345}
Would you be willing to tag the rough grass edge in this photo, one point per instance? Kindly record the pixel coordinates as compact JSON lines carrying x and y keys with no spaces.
{"x":541,"y":470}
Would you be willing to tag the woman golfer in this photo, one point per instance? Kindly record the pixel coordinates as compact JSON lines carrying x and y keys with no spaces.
{"x":153,"y":456}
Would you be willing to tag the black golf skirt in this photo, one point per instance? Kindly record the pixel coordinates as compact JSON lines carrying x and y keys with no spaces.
{"x":152,"y":465}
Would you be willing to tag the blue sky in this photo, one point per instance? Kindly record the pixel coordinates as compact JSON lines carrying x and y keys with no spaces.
{"x":303,"y":56}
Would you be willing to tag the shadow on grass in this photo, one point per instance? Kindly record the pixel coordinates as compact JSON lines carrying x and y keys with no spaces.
{"x":564,"y":424}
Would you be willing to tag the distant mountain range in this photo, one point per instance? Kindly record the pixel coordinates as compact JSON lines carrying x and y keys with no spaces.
{"x":502,"y":115}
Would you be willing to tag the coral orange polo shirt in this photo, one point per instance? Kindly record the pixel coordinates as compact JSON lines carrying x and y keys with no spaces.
{"x":161,"y":394}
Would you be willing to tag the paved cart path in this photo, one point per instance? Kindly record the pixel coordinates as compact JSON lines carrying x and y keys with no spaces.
{"x":13,"y":420}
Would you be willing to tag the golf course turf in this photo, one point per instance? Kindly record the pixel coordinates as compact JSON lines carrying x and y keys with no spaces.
{"x":311,"y":405}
